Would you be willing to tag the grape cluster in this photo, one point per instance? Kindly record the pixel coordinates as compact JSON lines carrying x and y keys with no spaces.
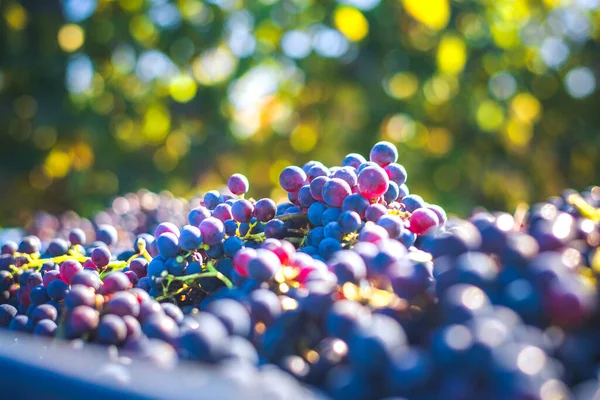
{"x":354,"y":286}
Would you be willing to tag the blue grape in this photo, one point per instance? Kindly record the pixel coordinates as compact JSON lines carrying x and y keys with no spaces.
{"x":231,"y":245}
{"x":333,"y":230}
{"x":316,"y":171}
{"x":392,"y":193}
{"x":315,"y":213}
{"x":349,"y":221}
{"x":197,"y":215}
{"x":107,"y":234}
{"x":190,"y":238}
{"x":356,"y":202}
{"x":168,"y":245}
{"x":230,"y":227}
{"x":304,"y":197}
{"x":275,"y":228}
{"x":412,"y":202}
{"x":212,"y":199}
{"x":328,"y":246}
{"x":332,"y":214}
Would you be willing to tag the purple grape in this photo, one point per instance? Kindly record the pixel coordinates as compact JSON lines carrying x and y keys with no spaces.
{"x":335,"y":191}
{"x":9,"y":247}
{"x":107,"y":234}
{"x":316,"y":187}
{"x":374,"y":212}
{"x":275,"y":228}
{"x":139,"y":266}
{"x":353,"y":160}
{"x":373,"y":182}
{"x":82,"y":320}
{"x":372,"y":233}
{"x":68,"y":269}
{"x":212,"y":231}
{"x":347,"y":174}
{"x":423,"y":220}
{"x":100,"y":256}
{"x":265,"y":210}
{"x":57,"y":247}
{"x":292,"y":179}
{"x":392,"y":224}
{"x":46,"y":328}
{"x":242,"y":210}
{"x":412,"y":202}
{"x":316,"y":171}
{"x":115,"y":282}
{"x":166,"y":227}
{"x":392,"y":193}
{"x":238,"y":184}
{"x":396,"y":173}
{"x":264,"y":265}
{"x":348,"y":266}
{"x":111,"y":330}
{"x":223,"y":212}
{"x":384,"y":153}
{"x":77,"y":236}
{"x":197,"y":215}
{"x":80,"y":296}
{"x":122,"y":304}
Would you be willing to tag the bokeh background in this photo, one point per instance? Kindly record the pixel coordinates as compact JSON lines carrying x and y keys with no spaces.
{"x":490,"y":102}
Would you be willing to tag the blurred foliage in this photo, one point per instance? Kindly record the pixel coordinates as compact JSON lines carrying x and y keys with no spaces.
{"x":490,"y":102}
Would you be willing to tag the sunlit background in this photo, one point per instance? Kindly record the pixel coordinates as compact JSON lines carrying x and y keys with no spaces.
{"x":490,"y":102}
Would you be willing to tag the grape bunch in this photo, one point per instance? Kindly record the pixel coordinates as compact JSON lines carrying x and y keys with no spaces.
{"x":355,"y":287}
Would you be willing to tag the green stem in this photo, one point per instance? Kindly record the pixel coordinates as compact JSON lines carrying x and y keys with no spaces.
{"x":293,"y":216}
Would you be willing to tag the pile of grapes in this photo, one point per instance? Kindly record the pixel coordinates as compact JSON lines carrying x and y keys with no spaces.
{"x":355,"y":287}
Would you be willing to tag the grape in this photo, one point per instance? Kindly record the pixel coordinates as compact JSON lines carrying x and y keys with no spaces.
{"x":315,"y":213}
{"x":7,"y":313}
{"x":212,"y":231}
{"x":231,"y":245}
{"x":372,"y":233}
{"x":57,"y":247}
{"x":107,"y":234}
{"x":140,"y":266}
{"x":423,"y":220}
{"x":80,"y":295}
{"x":292,"y":179}
{"x":264,"y":265}
{"x":223,"y":212}
{"x":238,"y":184}
{"x":265,"y":210}
{"x":412,"y":202}
{"x":316,"y":171}
{"x":43,"y":311}
{"x":333,"y":230}
{"x":45,"y":328}
{"x":21,"y":323}
{"x":392,"y":193}
{"x":335,"y":191}
{"x":57,"y":289}
{"x":82,"y":320}
{"x":233,"y":315}
{"x":111,"y":330}
{"x":190,"y":238}
{"x":8,"y":247}
{"x":396,"y":173}
{"x":348,"y":266}
{"x":50,"y":276}
{"x":230,"y":227}
{"x":275,"y":228}
{"x":329,"y":246}
{"x":316,"y":187}
{"x":330,"y":215}
{"x":242,"y":210}
{"x":77,"y":236}
{"x":212,"y":199}
{"x":100,"y":257}
{"x":349,"y":221}
{"x":115,"y":282}
{"x":439,"y":211}
{"x":30,"y":244}
{"x":353,"y":160}
{"x":197,"y":215}
{"x":347,"y":174}
{"x":384,"y":153}
{"x":392,"y":224}
{"x":160,"y":326}
{"x":241,"y":260}
{"x":206,"y":342}
{"x":122,"y":304}
{"x":373,"y":182}
{"x":304,"y":197}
